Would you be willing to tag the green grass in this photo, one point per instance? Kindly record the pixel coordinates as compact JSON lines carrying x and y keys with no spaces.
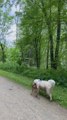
{"x":25,"y":81}
{"x":59,"y":93}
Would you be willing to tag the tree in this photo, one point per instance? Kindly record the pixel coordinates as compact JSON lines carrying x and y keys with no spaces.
{"x":31,"y":28}
{"x":54,"y":57}
{"x":48,"y":23}
{"x":5,"y":21}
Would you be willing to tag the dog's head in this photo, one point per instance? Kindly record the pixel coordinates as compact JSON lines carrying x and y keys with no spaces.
{"x":34,"y":86}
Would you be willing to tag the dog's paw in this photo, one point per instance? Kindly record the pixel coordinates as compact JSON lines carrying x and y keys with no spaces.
{"x":31,"y":94}
{"x":38,"y":97}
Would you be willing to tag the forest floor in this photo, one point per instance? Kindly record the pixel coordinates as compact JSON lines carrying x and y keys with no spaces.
{"x":16,"y":103}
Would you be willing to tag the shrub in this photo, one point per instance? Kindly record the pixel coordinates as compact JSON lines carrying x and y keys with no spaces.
{"x":9,"y":66}
{"x":60,"y":75}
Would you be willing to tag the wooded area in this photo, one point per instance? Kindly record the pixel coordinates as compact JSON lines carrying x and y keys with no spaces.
{"x":41,"y":35}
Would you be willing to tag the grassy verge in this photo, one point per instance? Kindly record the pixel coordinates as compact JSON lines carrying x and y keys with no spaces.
{"x":25,"y":81}
{"x":59,"y":93}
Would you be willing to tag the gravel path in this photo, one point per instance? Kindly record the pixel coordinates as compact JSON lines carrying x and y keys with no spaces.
{"x":16,"y":103}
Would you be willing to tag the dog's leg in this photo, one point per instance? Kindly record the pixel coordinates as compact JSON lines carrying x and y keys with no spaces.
{"x":50,"y":95}
{"x":37,"y":93}
{"x":32,"y":90}
{"x":48,"y":91}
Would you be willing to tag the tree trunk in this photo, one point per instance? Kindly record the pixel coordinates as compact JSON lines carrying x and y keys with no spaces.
{"x":3,"y":53}
{"x":51,"y":48}
{"x":37,"y":52}
{"x":48,"y":22}
{"x":58,"y":36}
{"x":47,"y":56}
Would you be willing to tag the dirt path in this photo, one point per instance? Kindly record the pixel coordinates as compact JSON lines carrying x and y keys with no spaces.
{"x":16,"y":103}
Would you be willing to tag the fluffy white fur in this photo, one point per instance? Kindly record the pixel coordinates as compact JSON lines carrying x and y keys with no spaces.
{"x":47,"y":85}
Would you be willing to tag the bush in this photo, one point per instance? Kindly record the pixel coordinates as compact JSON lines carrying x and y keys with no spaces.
{"x":9,"y":66}
{"x":60,"y":75}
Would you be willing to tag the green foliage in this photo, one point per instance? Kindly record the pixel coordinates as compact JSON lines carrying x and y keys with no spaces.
{"x":9,"y":66}
{"x":5,"y":22}
{"x":12,"y":54}
{"x":60,"y":95}
{"x":1,"y":1}
{"x":41,"y":26}
{"x":60,"y":75}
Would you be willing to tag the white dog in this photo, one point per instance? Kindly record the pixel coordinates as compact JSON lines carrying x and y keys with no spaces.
{"x":46,"y":85}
